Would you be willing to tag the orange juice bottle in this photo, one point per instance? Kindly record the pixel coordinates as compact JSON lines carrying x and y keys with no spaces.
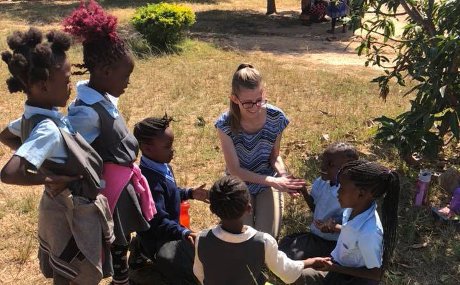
{"x":184,"y":217}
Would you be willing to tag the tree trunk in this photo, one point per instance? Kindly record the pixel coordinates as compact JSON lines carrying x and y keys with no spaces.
{"x":271,"y":7}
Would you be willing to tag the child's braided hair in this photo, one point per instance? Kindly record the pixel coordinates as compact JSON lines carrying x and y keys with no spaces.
{"x":229,"y":198}
{"x":31,"y":60}
{"x":98,"y":31}
{"x":151,"y":127}
{"x":380,"y":181}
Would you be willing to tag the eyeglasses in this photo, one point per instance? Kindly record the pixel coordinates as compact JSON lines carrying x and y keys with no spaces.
{"x":250,"y":104}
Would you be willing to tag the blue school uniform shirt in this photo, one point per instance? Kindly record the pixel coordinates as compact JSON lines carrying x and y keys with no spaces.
{"x":85,"y":119}
{"x":45,"y":140}
{"x":254,"y":150}
{"x":326,"y":206}
{"x":167,"y":196}
{"x":360,"y":240}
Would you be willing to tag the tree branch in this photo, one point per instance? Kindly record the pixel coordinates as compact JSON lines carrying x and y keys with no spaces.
{"x":417,"y":17}
{"x":386,"y":14}
{"x":381,"y":34}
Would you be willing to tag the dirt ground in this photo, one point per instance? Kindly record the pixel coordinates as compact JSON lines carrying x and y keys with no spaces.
{"x":281,"y":35}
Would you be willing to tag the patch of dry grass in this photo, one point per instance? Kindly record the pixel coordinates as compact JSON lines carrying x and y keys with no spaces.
{"x":318,"y":99}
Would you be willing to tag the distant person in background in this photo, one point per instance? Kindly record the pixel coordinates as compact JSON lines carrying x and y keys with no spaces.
{"x":313,"y":11}
{"x":337,"y":9}
{"x":250,"y":135}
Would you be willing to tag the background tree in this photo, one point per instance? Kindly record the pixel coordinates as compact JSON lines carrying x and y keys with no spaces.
{"x":427,"y":55}
{"x":271,"y":7}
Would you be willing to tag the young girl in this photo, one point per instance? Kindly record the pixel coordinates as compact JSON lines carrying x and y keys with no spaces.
{"x":53,"y":155}
{"x":250,"y":136}
{"x":232,"y":253}
{"x":365,"y":245}
{"x":337,"y":9}
{"x":323,"y":203}
{"x":95,"y":115}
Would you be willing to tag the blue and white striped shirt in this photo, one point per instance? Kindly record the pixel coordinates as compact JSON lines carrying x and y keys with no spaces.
{"x":254,"y":150}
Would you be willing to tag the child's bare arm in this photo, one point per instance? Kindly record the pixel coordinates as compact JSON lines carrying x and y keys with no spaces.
{"x":19,"y":171}
{"x":9,"y":139}
{"x":308,"y":198}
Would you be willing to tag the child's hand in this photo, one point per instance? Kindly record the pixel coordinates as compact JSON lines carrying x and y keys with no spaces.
{"x":446,"y":211}
{"x":192,"y":237}
{"x":57,"y":183}
{"x":329,"y":226}
{"x":318,"y":263}
{"x":201,"y":194}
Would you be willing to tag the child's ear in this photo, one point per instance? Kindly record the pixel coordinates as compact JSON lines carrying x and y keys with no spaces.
{"x":249,"y":208}
{"x":106,"y":70}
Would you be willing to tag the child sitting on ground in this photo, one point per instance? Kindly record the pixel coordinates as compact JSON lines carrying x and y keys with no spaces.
{"x":365,"y":244}
{"x":232,"y":253}
{"x":322,"y":201}
{"x":450,"y":181}
{"x":166,"y":241}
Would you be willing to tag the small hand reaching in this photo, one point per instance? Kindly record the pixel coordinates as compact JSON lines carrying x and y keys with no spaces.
{"x":329,"y":226}
{"x":192,"y":237}
{"x":200,"y":193}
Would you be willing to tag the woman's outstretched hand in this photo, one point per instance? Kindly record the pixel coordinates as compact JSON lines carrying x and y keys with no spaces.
{"x":288,"y":184}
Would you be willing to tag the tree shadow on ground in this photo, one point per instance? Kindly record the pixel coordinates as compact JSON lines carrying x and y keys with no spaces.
{"x":249,"y":30}
{"x":138,"y":3}
{"x":47,"y":12}
{"x":37,"y":12}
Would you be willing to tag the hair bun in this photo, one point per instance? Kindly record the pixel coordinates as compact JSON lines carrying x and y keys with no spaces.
{"x":59,"y":41}
{"x":90,"y":23}
{"x":14,"y":85}
{"x":6,"y":56}
{"x":33,"y":37}
{"x":244,"y":65}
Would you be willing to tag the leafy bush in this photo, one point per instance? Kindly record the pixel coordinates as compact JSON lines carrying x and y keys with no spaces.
{"x":163,"y":24}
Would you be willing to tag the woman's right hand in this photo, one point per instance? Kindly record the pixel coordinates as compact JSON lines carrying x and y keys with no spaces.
{"x":288,"y":184}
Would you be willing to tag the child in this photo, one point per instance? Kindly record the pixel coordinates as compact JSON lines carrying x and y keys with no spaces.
{"x":53,"y":155}
{"x":250,"y":134}
{"x":313,"y":11}
{"x":450,"y":181}
{"x":364,"y":247}
{"x":95,"y":115}
{"x":166,"y":241}
{"x":322,"y":200}
{"x":232,"y":253}
{"x":337,"y":9}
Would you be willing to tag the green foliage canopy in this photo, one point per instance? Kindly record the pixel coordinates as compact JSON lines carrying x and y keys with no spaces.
{"x":428,"y":54}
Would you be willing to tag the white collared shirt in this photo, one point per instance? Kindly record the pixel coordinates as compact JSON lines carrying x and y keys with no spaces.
{"x":85,"y":119}
{"x":360,"y":240}
{"x":45,"y":140}
{"x":326,"y":206}
{"x":286,"y":269}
